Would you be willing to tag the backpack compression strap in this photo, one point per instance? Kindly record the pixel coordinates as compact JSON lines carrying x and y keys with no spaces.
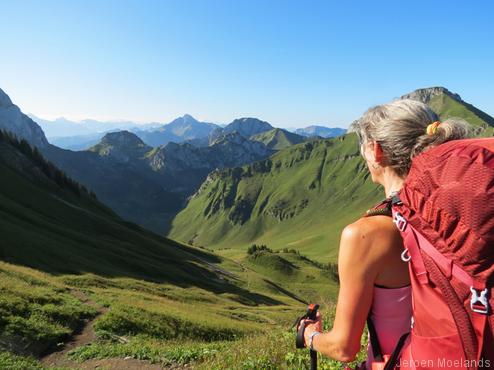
{"x":425,"y":260}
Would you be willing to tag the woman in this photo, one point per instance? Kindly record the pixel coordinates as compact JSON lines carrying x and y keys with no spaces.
{"x":374,"y":280}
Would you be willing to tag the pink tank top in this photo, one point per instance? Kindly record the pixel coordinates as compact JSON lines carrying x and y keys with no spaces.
{"x":391,"y":313}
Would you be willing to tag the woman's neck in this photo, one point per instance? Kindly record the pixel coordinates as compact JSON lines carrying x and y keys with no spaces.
{"x":391,"y":181}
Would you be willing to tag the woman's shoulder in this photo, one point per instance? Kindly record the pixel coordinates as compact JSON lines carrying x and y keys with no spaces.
{"x":370,"y":226}
{"x":376,"y":234}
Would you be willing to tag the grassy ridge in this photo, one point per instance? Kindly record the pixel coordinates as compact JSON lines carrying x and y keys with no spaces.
{"x":278,"y":139}
{"x":445,"y":106}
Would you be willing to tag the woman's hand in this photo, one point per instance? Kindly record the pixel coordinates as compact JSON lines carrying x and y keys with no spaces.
{"x":311,"y":326}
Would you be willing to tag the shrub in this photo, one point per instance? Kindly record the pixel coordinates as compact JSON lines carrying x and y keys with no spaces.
{"x":254,"y":248}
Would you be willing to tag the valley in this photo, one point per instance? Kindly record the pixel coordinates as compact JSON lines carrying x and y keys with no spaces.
{"x":252,"y":216}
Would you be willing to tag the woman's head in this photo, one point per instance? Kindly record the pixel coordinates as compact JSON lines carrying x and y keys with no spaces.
{"x":400,"y":130}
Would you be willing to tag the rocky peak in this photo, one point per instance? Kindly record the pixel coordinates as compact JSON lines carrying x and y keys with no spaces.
{"x":248,"y":126}
{"x":122,"y":146}
{"x":4,"y":99}
{"x":16,"y":122}
{"x":425,"y":95}
{"x":122,"y":139}
{"x":186,"y":119}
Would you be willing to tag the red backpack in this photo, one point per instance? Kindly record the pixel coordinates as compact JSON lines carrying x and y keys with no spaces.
{"x":445,"y":212}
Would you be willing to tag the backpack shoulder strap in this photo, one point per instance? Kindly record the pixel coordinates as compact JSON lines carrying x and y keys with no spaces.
{"x":383,"y":208}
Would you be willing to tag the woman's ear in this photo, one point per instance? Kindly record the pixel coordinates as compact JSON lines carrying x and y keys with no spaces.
{"x":378,"y":153}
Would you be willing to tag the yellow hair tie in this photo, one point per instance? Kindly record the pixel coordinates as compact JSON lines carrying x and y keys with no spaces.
{"x":432,"y":128}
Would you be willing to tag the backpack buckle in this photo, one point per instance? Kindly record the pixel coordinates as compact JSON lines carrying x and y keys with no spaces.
{"x":479,"y":303}
{"x":400,"y":221}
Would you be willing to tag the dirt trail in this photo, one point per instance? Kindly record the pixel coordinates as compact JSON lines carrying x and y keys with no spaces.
{"x":85,"y":335}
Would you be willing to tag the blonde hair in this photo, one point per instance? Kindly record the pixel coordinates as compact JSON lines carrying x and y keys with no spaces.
{"x":400,"y":128}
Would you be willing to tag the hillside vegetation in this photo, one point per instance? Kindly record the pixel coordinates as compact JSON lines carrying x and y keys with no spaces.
{"x":299,"y":198}
{"x":70,"y":262}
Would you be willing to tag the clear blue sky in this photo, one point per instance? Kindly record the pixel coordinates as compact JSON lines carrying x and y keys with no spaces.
{"x":292,"y":63}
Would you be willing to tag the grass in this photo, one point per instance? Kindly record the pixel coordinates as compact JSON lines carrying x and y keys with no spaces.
{"x":273,"y":349}
{"x":160,"y":323}
{"x":12,"y":362}
{"x":36,"y":313}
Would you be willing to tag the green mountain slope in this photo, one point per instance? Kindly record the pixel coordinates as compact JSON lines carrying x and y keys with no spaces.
{"x":62,"y":229}
{"x":278,"y":139}
{"x":299,"y":198}
{"x":445,"y":106}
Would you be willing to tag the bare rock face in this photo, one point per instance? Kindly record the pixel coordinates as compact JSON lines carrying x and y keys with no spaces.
{"x":425,"y":95}
{"x":16,"y":122}
{"x":230,"y":150}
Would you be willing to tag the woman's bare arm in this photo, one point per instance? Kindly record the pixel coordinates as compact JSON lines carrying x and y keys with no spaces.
{"x":362,"y":252}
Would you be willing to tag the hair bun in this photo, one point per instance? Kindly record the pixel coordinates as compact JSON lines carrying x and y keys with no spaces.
{"x":432,"y":128}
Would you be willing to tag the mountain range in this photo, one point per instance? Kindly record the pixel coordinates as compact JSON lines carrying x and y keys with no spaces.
{"x":150,"y":185}
{"x":263,"y":207}
{"x":63,"y":127}
{"x":302,"y":196}
{"x":145,"y":184}
{"x":80,"y":135}
{"x":320,"y":131}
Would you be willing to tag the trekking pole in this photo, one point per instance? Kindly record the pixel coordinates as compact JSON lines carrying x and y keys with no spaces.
{"x":299,"y":342}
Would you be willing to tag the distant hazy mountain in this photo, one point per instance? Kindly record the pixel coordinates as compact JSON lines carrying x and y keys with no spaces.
{"x":62,"y":127}
{"x":78,"y":142}
{"x":321,"y":131}
{"x":185,"y":128}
